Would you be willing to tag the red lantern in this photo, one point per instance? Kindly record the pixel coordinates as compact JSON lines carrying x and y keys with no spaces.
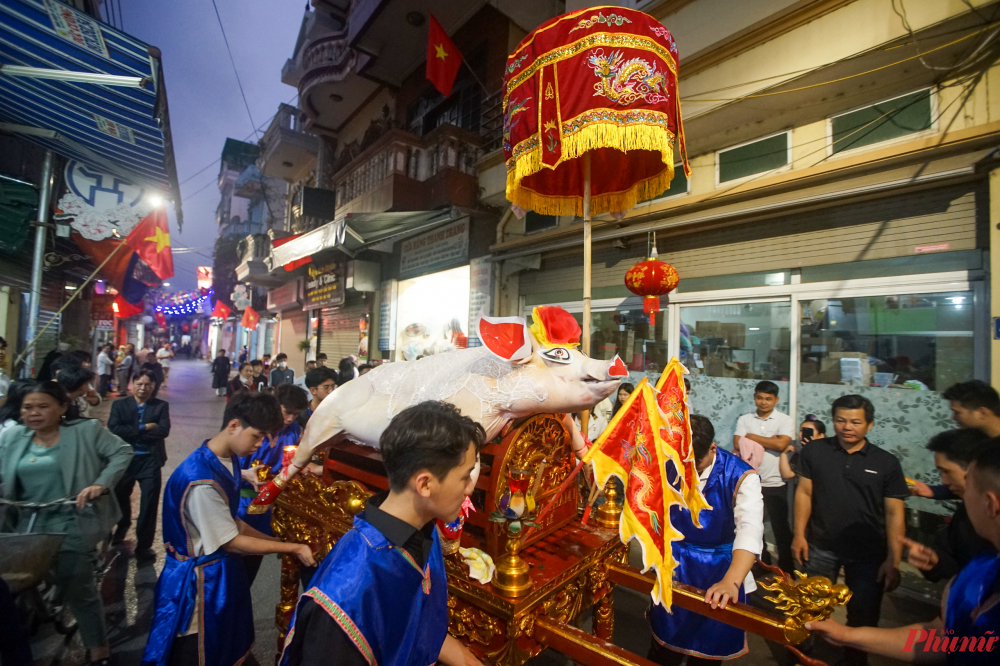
{"x":185,"y":328}
{"x":651,"y":279}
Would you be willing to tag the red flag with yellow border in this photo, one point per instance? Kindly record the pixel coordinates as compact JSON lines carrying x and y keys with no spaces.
{"x":637,"y":447}
{"x":671,"y":396}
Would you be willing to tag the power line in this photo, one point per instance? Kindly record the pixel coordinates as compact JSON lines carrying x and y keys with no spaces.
{"x":233,"y":61}
{"x":219,"y":159}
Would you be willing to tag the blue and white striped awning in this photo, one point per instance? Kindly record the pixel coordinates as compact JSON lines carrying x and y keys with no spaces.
{"x":87,"y":91}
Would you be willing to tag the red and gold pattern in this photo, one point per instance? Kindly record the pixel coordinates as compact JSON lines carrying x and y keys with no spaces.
{"x":604,"y":80}
{"x":637,"y":447}
{"x":651,"y":279}
{"x":671,"y":396}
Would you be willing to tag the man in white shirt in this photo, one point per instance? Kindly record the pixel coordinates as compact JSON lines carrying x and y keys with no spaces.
{"x":716,"y":557}
{"x":105,"y":370}
{"x":774,"y":431}
{"x":163,"y":356}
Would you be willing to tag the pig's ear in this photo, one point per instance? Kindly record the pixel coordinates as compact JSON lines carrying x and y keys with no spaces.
{"x":507,"y":337}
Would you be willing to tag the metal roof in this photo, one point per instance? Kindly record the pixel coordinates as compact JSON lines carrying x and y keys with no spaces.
{"x":86,"y":91}
{"x":353,"y":232}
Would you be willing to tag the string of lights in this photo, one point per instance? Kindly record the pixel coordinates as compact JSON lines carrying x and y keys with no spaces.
{"x":191,"y":307}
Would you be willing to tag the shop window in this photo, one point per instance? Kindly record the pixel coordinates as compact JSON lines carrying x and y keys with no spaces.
{"x":753,"y":158}
{"x":727,"y":349}
{"x":535,"y":222}
{"x":900,"y":352}
{"x":920,"y":342}
{"x":432,"y":314}
{"x":890,"y":119}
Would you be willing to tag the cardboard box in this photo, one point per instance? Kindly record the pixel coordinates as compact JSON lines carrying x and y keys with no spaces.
{"x":735,"y":334}
{"x":824,"y":344}
{"x":708,"y":329}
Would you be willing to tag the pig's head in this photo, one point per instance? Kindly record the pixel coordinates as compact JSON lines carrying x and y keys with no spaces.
{"x":549,"y":352}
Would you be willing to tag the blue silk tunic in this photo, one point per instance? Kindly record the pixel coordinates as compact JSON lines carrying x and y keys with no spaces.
{"x":225,"y":620}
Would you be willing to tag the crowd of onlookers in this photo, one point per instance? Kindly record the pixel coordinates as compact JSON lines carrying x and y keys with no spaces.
{"x":834,"y":499}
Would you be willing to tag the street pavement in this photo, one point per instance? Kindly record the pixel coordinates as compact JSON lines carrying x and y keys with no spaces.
{"x":196,"y":414}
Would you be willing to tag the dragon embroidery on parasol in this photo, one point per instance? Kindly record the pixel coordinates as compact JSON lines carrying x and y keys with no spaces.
{"x":626,"y":82}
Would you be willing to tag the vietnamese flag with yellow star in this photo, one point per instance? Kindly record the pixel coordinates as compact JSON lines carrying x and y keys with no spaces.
{"x":443,"y":59}
{"x":151,"y":241}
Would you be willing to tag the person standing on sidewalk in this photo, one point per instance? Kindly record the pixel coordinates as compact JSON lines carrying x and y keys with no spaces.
{"x":282,"y":374}
{"x":849,"y":512}
{"x":105,"y":370}
{"x":142,"y":420}
{"x":125,"y":367}
{"x":773,"y":431}
{"x":220,"y":373}
{"x":163,"y":356}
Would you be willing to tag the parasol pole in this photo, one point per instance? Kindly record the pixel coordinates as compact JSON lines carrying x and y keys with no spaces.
{"x":585,"y":416}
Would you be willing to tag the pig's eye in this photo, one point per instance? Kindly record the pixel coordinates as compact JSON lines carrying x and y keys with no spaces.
{"x":557,"y":355}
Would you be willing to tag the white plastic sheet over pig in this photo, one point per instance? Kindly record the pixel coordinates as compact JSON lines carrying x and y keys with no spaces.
{"x":518,"y":372}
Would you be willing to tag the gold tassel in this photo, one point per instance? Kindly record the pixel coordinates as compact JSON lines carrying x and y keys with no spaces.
{"x":597,"y":135}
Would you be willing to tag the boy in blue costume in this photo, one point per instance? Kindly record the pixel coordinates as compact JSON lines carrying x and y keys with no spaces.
{"x":292,"y":401}
{"x":381,"y":595}
{"x":716,"y":558}
{"x":202,"y":610}
{"x":968,"y":630}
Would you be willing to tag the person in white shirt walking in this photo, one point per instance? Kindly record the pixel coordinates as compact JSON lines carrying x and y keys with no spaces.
{"x":774,"y":431}
{"x":163,"y":356}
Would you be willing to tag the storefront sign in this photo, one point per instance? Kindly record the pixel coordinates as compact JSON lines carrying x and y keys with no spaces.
{"x":387,"y":316}
{"x":441,"y":248}
{"x":480,"y":295}
{"x":76,"y":27}
{"x":324,"y":287}
{"x":936,"y":247}
{"x":102,"y":312}
{"x":284,"y":297}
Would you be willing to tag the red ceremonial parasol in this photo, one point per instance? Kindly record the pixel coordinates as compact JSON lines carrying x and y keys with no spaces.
{"x":592,"y":118}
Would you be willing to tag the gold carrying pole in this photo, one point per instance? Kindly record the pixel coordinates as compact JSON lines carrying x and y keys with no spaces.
{"x":805,"y":600}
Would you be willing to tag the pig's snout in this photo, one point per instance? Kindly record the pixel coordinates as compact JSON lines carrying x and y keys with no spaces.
{"x":607,"y":371}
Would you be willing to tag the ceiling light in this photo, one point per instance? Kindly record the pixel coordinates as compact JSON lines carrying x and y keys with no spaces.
{"x":416,"y":19}
{"x":166,"y":284}
{"x":754,"y":328}
{"x":154,"y":200}
{"x":336,"y":98}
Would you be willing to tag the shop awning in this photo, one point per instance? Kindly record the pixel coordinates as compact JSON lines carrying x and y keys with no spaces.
{"x":86,"y":91}
{"x":352,"y":232}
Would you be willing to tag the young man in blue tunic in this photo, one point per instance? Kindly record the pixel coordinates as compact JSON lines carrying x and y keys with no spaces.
{"x":270,"y":454}
{"x":716,"y":558}
{"x":381,"y":595}
{"x":968,"y":630}
{"x":202,"y":611}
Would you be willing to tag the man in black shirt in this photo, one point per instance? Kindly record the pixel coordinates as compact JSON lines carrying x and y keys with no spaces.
{"x":381,"y":594}
{"x":849,"y":511}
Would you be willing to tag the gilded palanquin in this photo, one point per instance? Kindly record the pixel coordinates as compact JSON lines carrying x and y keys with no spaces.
{"x":569,"y":560}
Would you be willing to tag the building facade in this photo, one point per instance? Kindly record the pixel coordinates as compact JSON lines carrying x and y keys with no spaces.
{"x":384,"y":198}
{"x":835,"y":233}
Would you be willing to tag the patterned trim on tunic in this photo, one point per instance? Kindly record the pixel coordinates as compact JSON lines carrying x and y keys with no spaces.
{"x":426,"y":573}
{"x":345,"y":622}
{"x":740,"y":483}
{"x":695,"y":653}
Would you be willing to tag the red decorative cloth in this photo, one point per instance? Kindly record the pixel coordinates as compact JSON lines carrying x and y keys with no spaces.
{"x":601,"y":80}
{"x":554,"y":327}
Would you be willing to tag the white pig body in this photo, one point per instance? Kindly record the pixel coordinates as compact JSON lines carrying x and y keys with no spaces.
{"x":490,"y":390}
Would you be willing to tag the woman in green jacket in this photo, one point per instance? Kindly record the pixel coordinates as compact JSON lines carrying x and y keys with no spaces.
{"x":48,"y":458}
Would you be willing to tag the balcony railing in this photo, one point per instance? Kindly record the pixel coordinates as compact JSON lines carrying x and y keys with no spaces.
{"x":402,"y":159}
